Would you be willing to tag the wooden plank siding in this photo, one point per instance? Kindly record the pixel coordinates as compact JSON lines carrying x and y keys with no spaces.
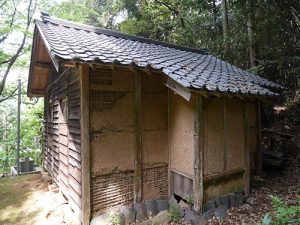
{"x":61,"y":135}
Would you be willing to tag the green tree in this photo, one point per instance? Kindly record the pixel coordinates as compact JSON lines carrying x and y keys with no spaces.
{"x":15,"y":21}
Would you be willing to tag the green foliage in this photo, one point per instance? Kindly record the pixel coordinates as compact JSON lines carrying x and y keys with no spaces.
{"x":31,"y":128}
{"x":285,"y":214}
{"x":114,"y":219}
{"x":189,"y":200}
{"x":175,"y":213}
{"x":267,"y":219}
{"x":282,"y":213}
{"x":74,"y":10}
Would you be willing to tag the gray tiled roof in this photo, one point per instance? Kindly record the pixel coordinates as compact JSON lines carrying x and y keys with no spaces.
{"x":192,"y":68}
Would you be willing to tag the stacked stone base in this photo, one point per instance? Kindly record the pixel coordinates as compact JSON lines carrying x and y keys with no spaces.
{"x":137,"y":213}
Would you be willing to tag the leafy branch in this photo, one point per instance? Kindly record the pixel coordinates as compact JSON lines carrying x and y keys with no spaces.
{"x":11,"y":61}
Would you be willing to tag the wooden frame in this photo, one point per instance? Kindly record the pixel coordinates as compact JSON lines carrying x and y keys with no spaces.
{"x":85,"y":143}
{"x":225,"y":136}
{"x":198,"y":155}
{"x":137,"y":186}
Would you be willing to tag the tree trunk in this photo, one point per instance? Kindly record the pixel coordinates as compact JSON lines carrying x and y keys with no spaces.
{"x":225,"y":25}
{"x":214,"y":13}
{"x":251,"y":39}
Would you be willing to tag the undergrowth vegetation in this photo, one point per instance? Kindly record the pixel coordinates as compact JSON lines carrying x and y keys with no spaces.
{"x":282,"y":213}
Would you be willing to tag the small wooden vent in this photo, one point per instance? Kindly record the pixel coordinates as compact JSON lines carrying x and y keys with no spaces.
{"x":101,"y":76}
{"x":182,"y":185}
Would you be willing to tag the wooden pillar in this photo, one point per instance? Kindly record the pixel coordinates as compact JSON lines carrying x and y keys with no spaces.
{"x":198,"y":155}
{"x":170,"y":174}
{"x":246,"y":149}
{"x":259,"y":147}
{"x":137,"y":138}
{"x":85,"y":143}
{"x":225,"y":133}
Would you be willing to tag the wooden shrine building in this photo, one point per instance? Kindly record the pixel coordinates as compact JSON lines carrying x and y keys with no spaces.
{"x":129,"y":119}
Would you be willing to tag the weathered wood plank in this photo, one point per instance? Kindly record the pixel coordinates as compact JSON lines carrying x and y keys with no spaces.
{"x":76,"y":173}
{"x":137,"y":138}
{"x":198,"y":155}
{"x":85,"y":143}
{"x":76,"y":186}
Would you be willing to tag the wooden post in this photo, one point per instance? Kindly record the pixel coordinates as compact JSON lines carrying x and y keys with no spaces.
{"x":18,"y":128}
{"x":198,"y":155}
{"x":246,"y":149}
{"x":170,"y":174}
{"x":259,"y":149}
{"x":85,"y":143}
{"x":225,"y":133}
{"x":137,"y":138}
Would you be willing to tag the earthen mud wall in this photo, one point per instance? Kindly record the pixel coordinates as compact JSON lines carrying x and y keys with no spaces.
{"x":223,"y":146}
{"x":112,"y":137}
{"x":181,"y":130}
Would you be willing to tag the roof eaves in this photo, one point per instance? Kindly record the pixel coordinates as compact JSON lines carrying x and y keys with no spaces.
{"x":51,"y":53}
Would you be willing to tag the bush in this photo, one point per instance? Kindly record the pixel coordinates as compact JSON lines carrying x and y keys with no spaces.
{"x":282,"y":214}
{"x":175,"y":213}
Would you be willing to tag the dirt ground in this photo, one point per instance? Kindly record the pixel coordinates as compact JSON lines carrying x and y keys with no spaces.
{"x":26,"y":200}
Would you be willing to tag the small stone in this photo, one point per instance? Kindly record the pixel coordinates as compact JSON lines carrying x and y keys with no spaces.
{"x":100,"y":220}
{"x":161,"y":218}
{"x":220,"y":212}
{"x":199,"y":220}
{"x":224,"y":201}
{"x":184,"y":205}
{"x":232,"y":201}
{"x":151,"y":207}
{"x":53,"y":188}
{"x":172,"y":200}
{"x":208,"y":215}
{"x":162,"y":204}
{"x":141,"y":212}
{"x":218,"y":202}
{"x":189,"y":215}
{"x":210,"y":205}
{"x":129,"y":214}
